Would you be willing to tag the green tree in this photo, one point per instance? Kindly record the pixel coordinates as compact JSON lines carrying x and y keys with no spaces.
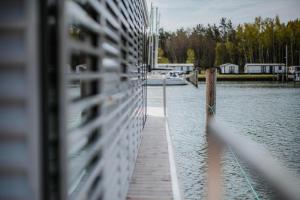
{"x":221,"y":54}
{"x":161,"y":57}
{"x":263,"y":40}
{"x":230,"y":51}
{"x":190,"y":56}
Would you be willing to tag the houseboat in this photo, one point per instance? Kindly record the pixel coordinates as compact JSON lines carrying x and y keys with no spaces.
{"x":265,"y":68}
{"x":295,"y":72}
{"x":229,"y":68}
{"x":293,"y":69}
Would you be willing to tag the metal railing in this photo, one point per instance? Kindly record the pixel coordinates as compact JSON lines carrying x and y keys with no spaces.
{"x":165,"y":95}
{"x":285,"y":184}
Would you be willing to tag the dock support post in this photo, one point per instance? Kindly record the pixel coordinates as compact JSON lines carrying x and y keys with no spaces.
{"x":214,"y":149}
{"x":211,"y":79}
{"x":165,"y":96}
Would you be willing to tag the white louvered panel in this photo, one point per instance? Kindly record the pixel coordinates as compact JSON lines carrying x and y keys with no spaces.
{"x":110,"y":96}
{"x":19,"y":114}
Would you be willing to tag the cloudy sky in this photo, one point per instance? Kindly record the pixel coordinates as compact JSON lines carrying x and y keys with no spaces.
{"x":187,"y":13}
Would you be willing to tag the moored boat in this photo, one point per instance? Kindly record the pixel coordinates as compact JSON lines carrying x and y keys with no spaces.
{"x":171,"y":78}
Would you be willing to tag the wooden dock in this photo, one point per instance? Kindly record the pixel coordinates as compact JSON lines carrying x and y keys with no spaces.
{"x":152,"y":177}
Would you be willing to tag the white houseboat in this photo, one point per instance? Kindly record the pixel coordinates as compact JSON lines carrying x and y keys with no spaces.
{"x":265,"y":68}
{"x":229,"y":68}
{"x":295,"y":71}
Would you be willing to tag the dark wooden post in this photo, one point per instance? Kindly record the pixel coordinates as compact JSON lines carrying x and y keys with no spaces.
{"x":214,"y":149}
{"x":211,"y":79}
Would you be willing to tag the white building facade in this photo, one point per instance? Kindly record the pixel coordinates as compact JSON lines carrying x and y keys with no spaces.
{"x":264,"y":68}
{"x":229,"y":68}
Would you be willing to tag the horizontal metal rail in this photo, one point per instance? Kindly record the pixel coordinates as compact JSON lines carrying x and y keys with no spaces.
{"x":258,"y":158}
{"x":285,"y":184}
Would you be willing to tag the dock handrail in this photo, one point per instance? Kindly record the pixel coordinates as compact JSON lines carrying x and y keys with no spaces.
{"x":259,"y":159}
{"x":255,"y":155}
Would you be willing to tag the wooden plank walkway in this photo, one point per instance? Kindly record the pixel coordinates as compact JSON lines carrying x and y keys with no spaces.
{"x":152,"y":176}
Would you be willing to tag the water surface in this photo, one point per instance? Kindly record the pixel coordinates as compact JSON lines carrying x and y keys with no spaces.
{"x":269,"y":113}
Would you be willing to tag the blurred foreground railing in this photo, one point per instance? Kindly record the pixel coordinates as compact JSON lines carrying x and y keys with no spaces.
{"x":285,"y":184}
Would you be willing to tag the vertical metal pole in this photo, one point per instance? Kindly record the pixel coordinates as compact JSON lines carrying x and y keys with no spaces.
{"x":156,"y":38}
{"x":196,"y":78}
{"x":214,"y":148}
{"x":150,"y":41}
{"x":53,"y":57}
{"x":165,"y":96}
{"x":286,"y":55}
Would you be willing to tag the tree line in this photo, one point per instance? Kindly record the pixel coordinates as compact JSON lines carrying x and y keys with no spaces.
{"x":263,"y":41}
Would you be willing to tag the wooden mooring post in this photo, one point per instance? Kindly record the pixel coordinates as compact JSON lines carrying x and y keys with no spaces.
{"x":214,"y":148}
{"x":211,"y":79}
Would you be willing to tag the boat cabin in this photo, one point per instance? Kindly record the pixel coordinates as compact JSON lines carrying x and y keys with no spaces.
{"x":173,"y":74}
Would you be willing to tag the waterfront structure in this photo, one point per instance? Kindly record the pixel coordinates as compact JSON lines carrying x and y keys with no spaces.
{"x":61,"y":140}
{"x":265,"y":68}
{"x":79,"y":142}
{"x":295,"y":72}
{"x":179,"y":67}
{"x":297,"y":77}
{"x":294,"y":69}
{"x":229,"y":68}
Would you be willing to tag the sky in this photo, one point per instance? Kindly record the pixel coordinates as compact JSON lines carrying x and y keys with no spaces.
{"x":188,"y":13}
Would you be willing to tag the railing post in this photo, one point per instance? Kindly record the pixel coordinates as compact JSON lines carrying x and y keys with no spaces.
{"x":214,"y":149}
{"x":165,"y":100}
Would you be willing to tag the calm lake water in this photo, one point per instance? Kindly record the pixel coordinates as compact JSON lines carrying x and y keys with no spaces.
{"x":269,"y":113}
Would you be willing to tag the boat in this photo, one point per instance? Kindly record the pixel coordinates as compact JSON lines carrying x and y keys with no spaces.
{"x":171,"y":78}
